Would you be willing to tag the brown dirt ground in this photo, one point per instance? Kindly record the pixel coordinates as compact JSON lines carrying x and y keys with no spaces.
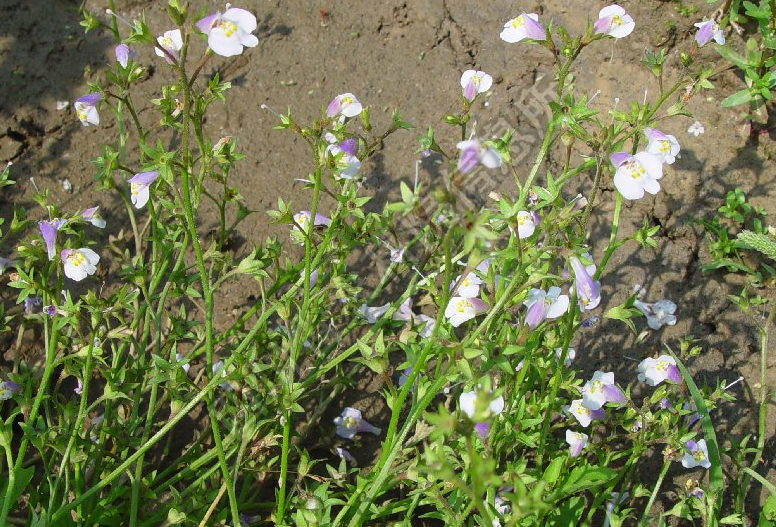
{"x":409,"y":54}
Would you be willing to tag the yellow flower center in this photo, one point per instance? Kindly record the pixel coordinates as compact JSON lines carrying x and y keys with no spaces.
{"x":596,"y":386}
{"x":80,"y":111}
{"x":166,"y":42}
{"x":350,"y":422}
{"x":134,"y":188}
{"x":634,"y":169}
{"x":518,"y":21}
{"x":661,"y":365}
{"x":664,"y":146}
{"x":698,"y":455}
{"x":229,"y":28}
{"x":76,"y":258}
{"x":617,"y":20}
{"x":463,"y":305}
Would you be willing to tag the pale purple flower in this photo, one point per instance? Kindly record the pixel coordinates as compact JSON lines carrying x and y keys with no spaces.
{"x":614,"y":21}
{"x":693,"y":416}
{"x":139,"y":185}
{"x":584,"y":415}
{"x":48,"y":230}
{"x":79,"y":387}
{"x":79,"y":263}
{"x":404,"y":313}
{"x":344,"y":104}
{"x":350,"y":423}
{"x":371,"y":314}
{"x":7,"y":389}
{"x":474,"y":153}
{"x":32,"y":305}
{"x":637,"y":173}
{"x":708,"y":30}
{"x":577,"y":441}
{"x":659,"y":314}
{"x":123,"y":54}
{"x":543,"y":304}
{"x":228,"y":33}
{"x":172,"y":41}
{"x":468,"y":403}
{"x":460,"y":309}
{"x":696,"y":455}
{"x":662,"y":145}
{"x":92,"y":216}
{"x":601,"y":390}
{"x":654,"y":371}
{"x":525,"y":25}
{"x":696,"y":128}
{"x":428,"y":325}
{"x":348,"y":163}
{"x":303,"y":220}
{"x":588,"y":291}
{"x":86,"y":109}
{"x":571,"y":354}
{"x":347,"y":456}
{"x":397,"y":255}
{"x":475,"y":82}
{"x":526,"y":224}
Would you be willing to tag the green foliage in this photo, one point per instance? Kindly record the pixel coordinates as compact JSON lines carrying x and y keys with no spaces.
{"x":154,"y":407}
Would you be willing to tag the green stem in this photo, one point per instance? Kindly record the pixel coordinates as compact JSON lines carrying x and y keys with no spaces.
{"x":655,"y":490}
{"x":207,"y":292}
{"x":612,"y":245}
{"x":51,"y":350}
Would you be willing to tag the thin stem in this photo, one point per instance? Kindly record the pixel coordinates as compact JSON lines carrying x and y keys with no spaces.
{"x":612,"y":245}
{"x":207,"y":292}
{"x":655,"y":490}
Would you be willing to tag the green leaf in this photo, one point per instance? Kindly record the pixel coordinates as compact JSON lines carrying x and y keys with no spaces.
{"x":740,"y":97}
{"x":23,"y":478}
{"x":716,"y":484}
{"x":583,"y":478}
{"x":731,"y":56}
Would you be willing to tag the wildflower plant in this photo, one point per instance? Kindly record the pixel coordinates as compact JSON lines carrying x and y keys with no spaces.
{"x":480,"y":310}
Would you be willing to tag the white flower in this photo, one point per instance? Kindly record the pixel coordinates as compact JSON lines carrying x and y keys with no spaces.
{"x":139,"y":188}
{"x":469,"y":287}
{"x":697,"y":455}
{"x":467,"y":402}
{"x":601,"y":390}
{"x":696,"y":129}
{"x":345,"y":104}
{"x":708,"y":30}
{"x":79,"y":263}
{"x":428,"y":328}
{"x":526,"y":25}
{"x":636,"y":174}
{"x":475,"y":82}
{"x":86,"y":109}
{"x":577,"y":441}
{"x":228,"y":33}
{"x":550,"y":304}
{"x":659,"y":314}
{"x":662,"y":145}
{"x":460,"y":309}
{"x":654,"y":371}
{"x":614,"y":21}
{"x":525,"y":224}
{"x":571,"y":354}
{"x":172,"y":41}
{"x":350,"y":423}
{"x":584,"y":415}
